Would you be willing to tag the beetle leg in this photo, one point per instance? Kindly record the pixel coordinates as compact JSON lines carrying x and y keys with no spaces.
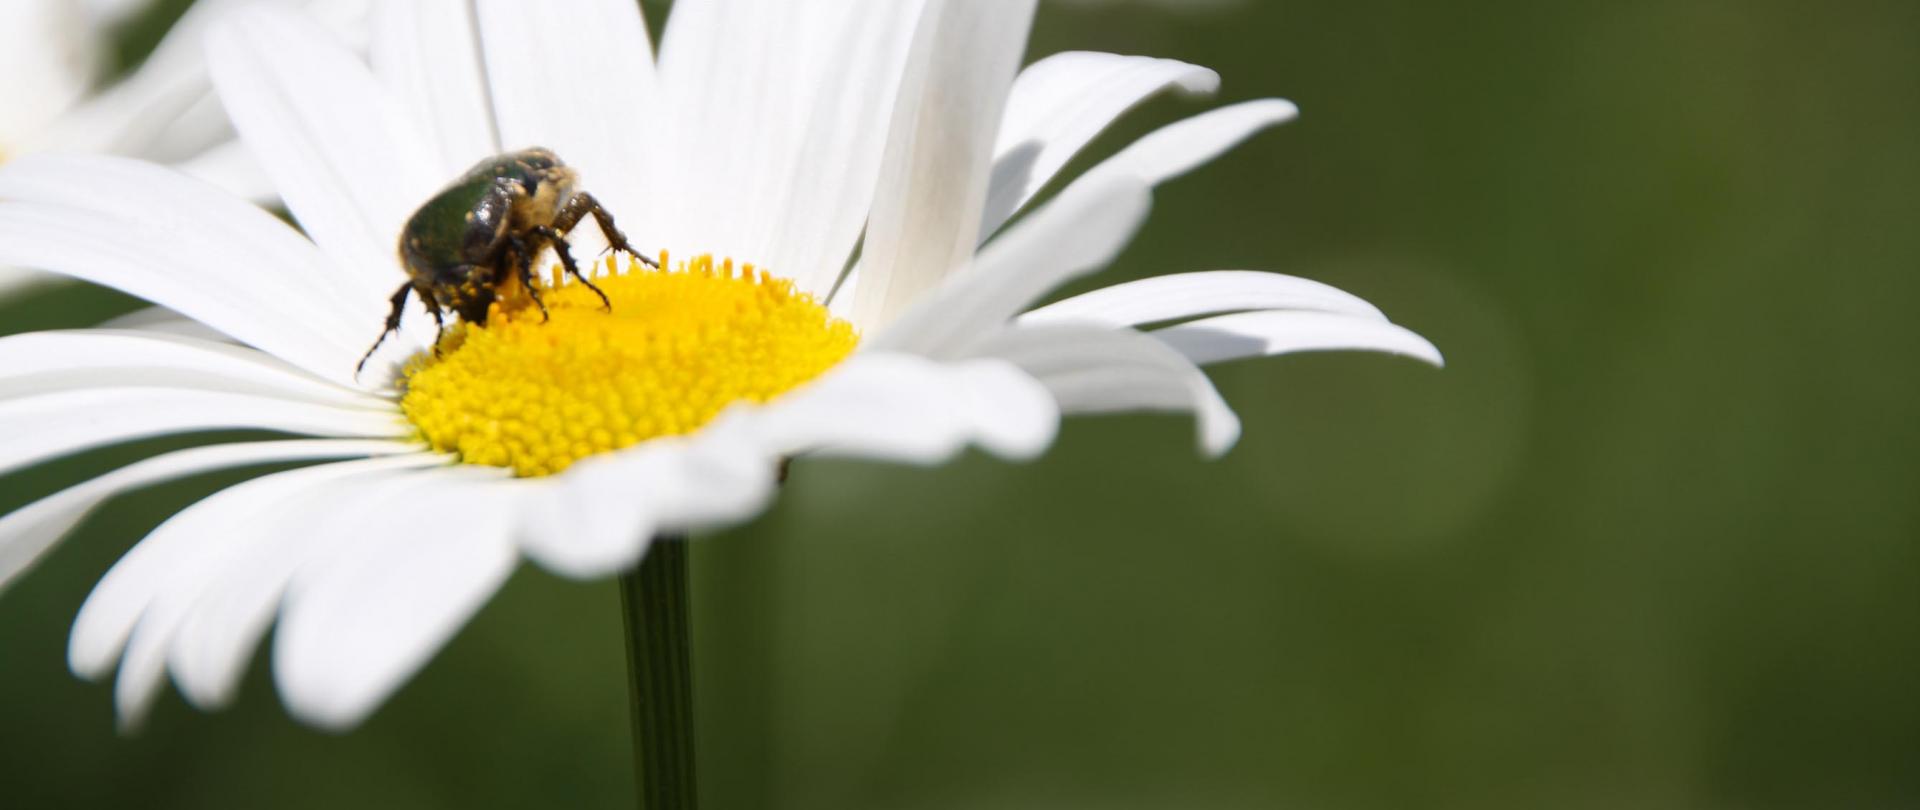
{"x":559,"y":243}
{"x":524,"y":253}
{"x":399,"y":301}
{"x":579,"y":207}
{"x":439,"y":320}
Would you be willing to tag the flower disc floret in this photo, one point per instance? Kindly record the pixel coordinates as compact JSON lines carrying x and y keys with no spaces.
{"x":675,"y":348}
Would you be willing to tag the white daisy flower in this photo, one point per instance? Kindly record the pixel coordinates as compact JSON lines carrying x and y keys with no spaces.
{"x":52,"y":52}
{"x":760,"y":133}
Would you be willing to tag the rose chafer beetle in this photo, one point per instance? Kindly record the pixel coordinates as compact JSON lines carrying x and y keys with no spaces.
{"x":489,"y":226}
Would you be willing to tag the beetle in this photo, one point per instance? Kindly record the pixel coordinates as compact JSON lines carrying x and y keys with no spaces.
{"x":488,"y":226}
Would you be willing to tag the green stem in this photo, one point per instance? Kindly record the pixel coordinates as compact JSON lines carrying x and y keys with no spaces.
{"x":660,"y":676}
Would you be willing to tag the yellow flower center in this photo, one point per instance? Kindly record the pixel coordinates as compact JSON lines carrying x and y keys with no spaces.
{"x":678,"y":346}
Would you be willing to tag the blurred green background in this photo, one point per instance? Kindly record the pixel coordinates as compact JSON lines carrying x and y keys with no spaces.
{"x":1649,"y":541}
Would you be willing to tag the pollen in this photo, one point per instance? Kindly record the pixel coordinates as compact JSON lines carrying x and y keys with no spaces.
{"x":666,"y":353}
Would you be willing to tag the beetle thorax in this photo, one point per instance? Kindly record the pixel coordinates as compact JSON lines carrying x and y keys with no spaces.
{"x":555,"y":187}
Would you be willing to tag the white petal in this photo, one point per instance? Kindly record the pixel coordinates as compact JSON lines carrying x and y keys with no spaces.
{"x":720,"y":65}
{"x":357,"y":625}
{"x":160,"y":580}
{"x":164,"y":110}
{"x":1256,"y":334}
{"x":743,"y":474}
{"x":805,"y":205}
{"x":429,"y":56}
{"x":908,"y":409}
{"x":231,"y":168}
{"x":1097,"y":370}
{"x":110,"y":12}
{"x":597,"y":524}
{"x":780,"y":113}
{"x":1077,"y":232}
{"x":577,"y":77}
{"x":1058,"y":105}
{"x":37,"y":428}
{"x":1181,"y":147}
{"x":599,"y":516}
{"x":201,"y":126}
{"x":161,"y":320}
{"x":836,"y":163}
{"x":157,"y":235}
{"x":1010,"y":413}
{"x":346,"y":158}
{"x":129,"y":117}
{"x":840,"y":301}
{"x":43,"y":362}
{"x":933,"y":180}
{"x":17,"y":280}
{"x":28,"y":532}
{"x":48,"y":54}
{"x":215,"y":641}
{"x":1187,"y":295}
{"x":349,"y":20}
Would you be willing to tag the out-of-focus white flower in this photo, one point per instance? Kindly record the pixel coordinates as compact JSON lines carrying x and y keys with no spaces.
{"x":52,"y":53}
{"x":768,"y":130}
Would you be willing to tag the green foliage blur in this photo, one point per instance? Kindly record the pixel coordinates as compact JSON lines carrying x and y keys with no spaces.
{"x":1649,"y":541}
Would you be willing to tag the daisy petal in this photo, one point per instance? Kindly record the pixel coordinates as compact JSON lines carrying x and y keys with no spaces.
{"x":723,"y":78}
{"x":780,"y":133}
{"x":107,"y":618}
{"x":1058,"y":105}
{"x":349,"y":20}
{"x":343,"y":153}
{"x":357,"y":625}
{"x":810,"y":194}
{"x":15,"y":279}
{"x":576,"y":76}
{"x":1078,"y":232}
{"x":231,"y":168}
{"x":427,"y":54}
{"x":840,"y":300}
{"x":599,"y":517}
{"x":28,"y":532}
{"x":130,"y":117}
{"x":46,"y":426}
{"x":216,"y":639}
{"x":110,"y":12}
{"x":1257,"y":334}
{"x":186,"y":246}
{"x":1097,"y":370}
{"x":727,"y":457}
{"x":44,"y":362}
{"x":896,"y":407}
{"x":163,"y":321}
{"x":47,"y":55}
{"x":181,"y":558}
{"x":1183,"y":146}
{"x":1012,"y":415}
{"x":202,"y":125}
{"x":1187,"y":295}
{"x":165,"y":110}
{"x":926,"y":213}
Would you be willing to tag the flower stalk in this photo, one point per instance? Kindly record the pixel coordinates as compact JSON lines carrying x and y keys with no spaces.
{"x":654,"y":601}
